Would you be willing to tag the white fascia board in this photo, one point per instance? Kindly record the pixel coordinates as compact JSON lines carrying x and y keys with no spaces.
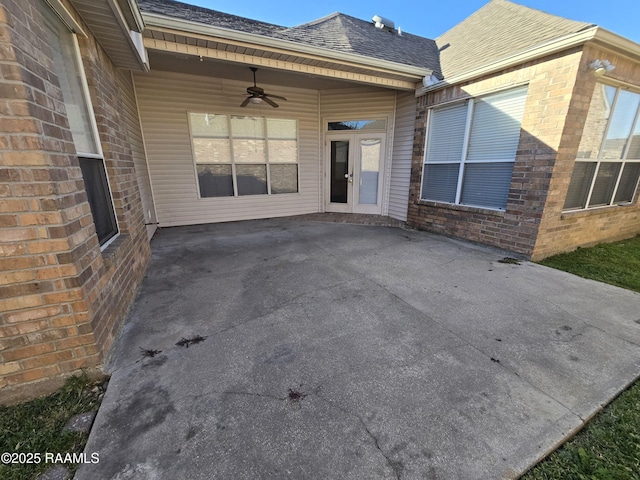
{"x":616,"y":42}
{"x":137,"y":48}
{"x":66,"y":17}
{"x":539,"y":51}
{"x":186,"y":26}
{"x":132,"y":8}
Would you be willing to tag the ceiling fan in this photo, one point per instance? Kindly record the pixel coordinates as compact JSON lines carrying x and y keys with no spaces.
{"x":257,"y":95}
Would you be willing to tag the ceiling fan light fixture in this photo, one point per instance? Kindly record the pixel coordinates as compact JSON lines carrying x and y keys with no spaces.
{"x":256,"y":95}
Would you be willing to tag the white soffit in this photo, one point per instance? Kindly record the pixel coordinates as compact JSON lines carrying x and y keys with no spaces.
{"x":191,"y":38}
{"x":111,"y":27}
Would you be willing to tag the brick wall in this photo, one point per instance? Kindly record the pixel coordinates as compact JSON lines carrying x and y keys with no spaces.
{"x":551,"y":82}
{"x":561,"y":232}
{"x":61,"y":298}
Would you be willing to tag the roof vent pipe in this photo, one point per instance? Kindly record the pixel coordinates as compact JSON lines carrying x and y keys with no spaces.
{"x":383,"y":23}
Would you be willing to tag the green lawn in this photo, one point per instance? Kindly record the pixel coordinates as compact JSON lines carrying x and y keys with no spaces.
{"x":608,"y":448}
{"x":615,"y":263}
{"x":36,"y":426}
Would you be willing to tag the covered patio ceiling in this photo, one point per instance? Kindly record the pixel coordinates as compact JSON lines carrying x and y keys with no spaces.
{"x":233,"y":51}
{"x":208,"y":67}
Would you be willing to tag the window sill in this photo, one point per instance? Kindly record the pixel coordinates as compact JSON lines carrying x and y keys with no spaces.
{"x":110,"y":253}
{"x":594,"y":211}
{"x":259,"y":195}
{"x":462,"y":208}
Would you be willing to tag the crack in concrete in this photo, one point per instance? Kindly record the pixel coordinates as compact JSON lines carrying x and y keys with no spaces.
{"x":397,"y":472}
{"x":251,"y":394}
{"x":233,"y":392}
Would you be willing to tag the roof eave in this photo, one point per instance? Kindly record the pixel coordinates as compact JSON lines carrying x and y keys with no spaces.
{"x":542,"y":50}
{"x":133,"y":14}
{"x":617,"y":43}
{"x":127,"y":50}
{"x":186,"y":26}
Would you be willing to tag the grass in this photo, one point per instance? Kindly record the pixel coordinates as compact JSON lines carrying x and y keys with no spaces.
{"x":36,"y":426}
{"x":608,"y":448}
{"x":614,"y":263}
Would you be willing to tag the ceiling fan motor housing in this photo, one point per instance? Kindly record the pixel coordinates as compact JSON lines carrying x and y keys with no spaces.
{"x":256,"y":92}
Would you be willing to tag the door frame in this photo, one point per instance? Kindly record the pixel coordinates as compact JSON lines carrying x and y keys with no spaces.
{"x":353,"y":191}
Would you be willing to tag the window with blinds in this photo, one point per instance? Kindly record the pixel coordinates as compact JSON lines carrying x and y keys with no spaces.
{"x":242,"y":155}
{"x":471,"y":148}
{"x":608,"y":163}
{"x":68,"y":69}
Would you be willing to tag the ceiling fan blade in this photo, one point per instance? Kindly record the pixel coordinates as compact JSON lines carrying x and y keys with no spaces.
{"x":269,"y":101}
{"x":246,"y":102}
{"x":274,"y":96}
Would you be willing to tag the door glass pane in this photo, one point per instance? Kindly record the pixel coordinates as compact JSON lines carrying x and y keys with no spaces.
{"x":215,"y":180}
{"x":339,"y":168}
{"x":370,"y":150}
{"x":251,"y":179}
{"x":605,"y":183}
{"x":359,"y":125}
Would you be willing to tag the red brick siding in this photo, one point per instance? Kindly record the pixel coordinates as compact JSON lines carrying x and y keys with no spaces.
{"x":61,"y":298}
{"x":551,"y":81}
{"x":561,"y":232}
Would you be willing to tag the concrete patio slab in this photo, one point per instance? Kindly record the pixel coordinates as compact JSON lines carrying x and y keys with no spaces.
{"x":354,"y":352}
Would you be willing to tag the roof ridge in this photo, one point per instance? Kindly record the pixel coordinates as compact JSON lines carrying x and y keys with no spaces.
{"x":205,"y":10}
{"x":516,"y":6}
{"x":317,"y":20}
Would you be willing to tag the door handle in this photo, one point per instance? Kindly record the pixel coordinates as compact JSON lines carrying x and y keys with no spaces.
{"x":349,"y":176}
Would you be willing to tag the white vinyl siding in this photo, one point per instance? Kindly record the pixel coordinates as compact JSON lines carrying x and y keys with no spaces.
{"x":165,"y":99}
{"x":136,"y":142}
{"x":362,"y":103}
{"x":471,"y":149}
{"x":402,"y":153}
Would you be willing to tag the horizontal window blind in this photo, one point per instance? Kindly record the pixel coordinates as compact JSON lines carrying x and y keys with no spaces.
{"x":446,"y":134}
{"x":440,"y":182}
{"x":486,"y":184}
{"x":487,"y":165}
{"x":495,"y":127}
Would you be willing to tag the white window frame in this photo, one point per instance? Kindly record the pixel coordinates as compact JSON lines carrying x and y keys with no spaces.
{"x":64,"y":18}
{"x":233,"y":160}
{"x":465,"y":149}
{"x":623,"y":161}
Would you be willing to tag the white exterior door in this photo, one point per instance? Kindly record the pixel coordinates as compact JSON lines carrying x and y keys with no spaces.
{"x":354,"y":168}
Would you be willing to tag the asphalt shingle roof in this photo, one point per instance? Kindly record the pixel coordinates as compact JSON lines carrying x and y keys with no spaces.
{"x":338,"y":32}
{"x":499,"y":30}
